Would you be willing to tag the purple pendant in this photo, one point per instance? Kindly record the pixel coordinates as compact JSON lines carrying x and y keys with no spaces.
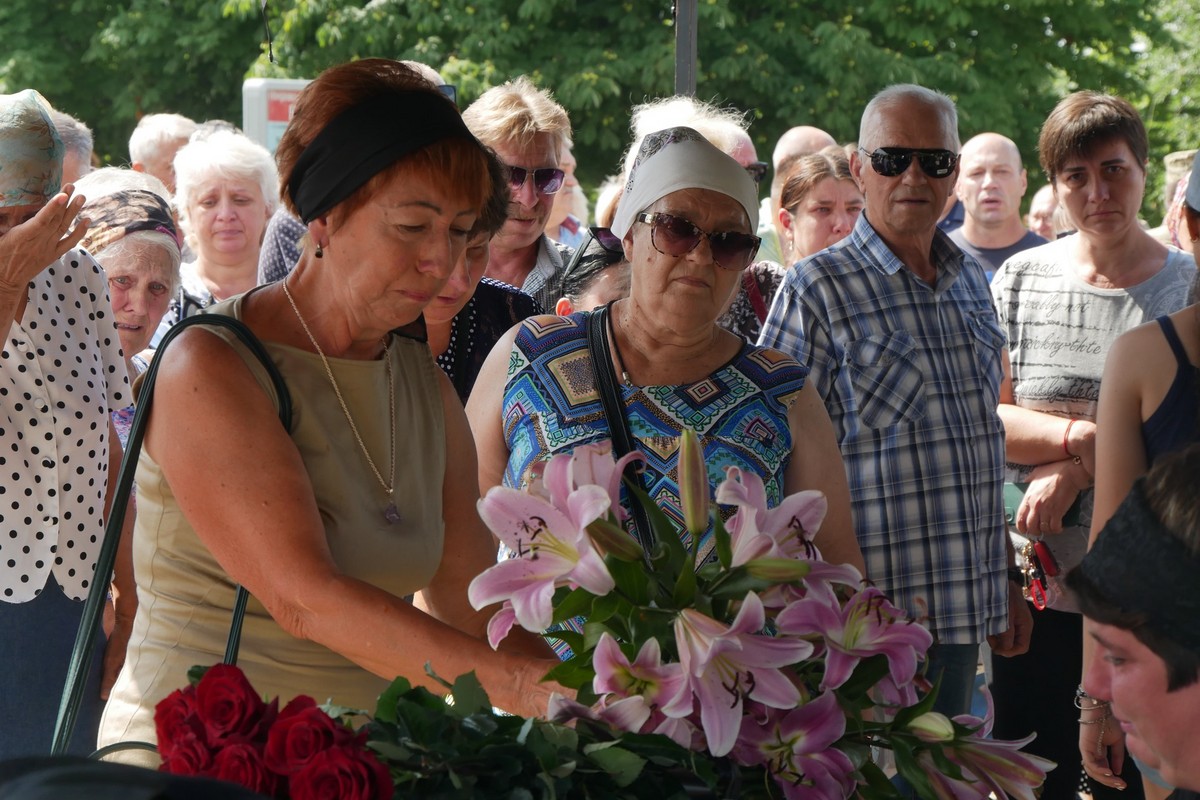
{"x":391,"y":514}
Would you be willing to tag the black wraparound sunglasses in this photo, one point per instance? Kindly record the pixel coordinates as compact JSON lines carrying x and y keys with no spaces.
{"x":892,"y":161}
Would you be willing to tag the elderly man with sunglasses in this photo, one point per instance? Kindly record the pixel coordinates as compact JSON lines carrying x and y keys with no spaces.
{"x":529,"y":133}
{"x":897,"y":327}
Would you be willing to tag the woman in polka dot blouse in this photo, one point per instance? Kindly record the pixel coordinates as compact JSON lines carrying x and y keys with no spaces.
{"x":61,"y":374}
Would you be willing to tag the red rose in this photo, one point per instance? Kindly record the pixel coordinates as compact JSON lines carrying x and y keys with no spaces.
{"x":230,"y":708}
{"x":189,"y":756}
{"x":174,"y":718}
{"x":243,"y":764}
{"x":299,"y":734}
{"x":342,"y":773}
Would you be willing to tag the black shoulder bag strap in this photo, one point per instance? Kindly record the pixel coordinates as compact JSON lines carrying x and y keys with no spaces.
{"x":596,"y":328}
{"x":81,"y":654}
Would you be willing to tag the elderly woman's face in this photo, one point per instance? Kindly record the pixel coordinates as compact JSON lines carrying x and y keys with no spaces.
{"x":227,"y":218}
{"x":12,"y":216}
{"x":690,"y":281}
{"x":139,"y":285}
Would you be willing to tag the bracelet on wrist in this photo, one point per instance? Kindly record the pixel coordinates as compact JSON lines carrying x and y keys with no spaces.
{"x":1066,"y":442}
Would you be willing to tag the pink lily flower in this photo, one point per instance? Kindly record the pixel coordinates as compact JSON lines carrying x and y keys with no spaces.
{"x":588,"y":465}
{"x":869,"y":624}
{"x":726,"y":664}
{"x":998,"y":766}
{"x":789,"y":527}
{"x":552,"y":548}
{"x":647,"y":682}
{"x":797,"y":748}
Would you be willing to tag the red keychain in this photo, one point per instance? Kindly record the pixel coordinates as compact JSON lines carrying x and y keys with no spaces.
{"x":1045,"y":558}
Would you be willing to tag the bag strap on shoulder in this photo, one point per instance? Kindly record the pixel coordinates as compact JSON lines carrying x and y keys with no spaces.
{"x":81,"y":653}
{"x":596,"y":328}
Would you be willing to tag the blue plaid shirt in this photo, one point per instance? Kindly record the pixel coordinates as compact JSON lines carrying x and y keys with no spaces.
{"x":910,"y":375}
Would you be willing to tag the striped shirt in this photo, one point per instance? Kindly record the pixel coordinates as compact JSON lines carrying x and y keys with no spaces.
{"x":910,"y":374}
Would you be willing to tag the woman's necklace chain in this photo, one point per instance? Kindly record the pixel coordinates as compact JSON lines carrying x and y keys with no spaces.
{"x":391,"y":514}
{"x":612,"y":329}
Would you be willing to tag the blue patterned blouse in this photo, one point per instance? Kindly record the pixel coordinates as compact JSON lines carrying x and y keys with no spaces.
{"x":739,"y":412}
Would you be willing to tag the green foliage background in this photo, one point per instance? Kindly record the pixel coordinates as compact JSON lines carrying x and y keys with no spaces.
{"x":785,"y":62}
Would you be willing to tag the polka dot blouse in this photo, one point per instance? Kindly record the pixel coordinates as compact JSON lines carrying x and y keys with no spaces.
{"x":61,"y":373}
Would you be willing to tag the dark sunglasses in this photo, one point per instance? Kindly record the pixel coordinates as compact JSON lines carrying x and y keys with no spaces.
{"x":607,"y":239}
{"x":449,"y":92}
{"x":757,"y":170}
{"x":676,"y":236}
{"x":547,"y":180}
{"x":892,"y":161}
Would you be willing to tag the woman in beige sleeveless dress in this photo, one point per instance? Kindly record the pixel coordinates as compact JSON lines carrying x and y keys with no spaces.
{"x":370,"y":496}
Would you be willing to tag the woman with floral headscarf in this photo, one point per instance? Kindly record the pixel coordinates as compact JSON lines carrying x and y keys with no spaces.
{"x":61,"y":374}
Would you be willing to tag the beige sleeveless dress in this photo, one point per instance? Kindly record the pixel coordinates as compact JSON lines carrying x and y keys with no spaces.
{"x":186,"y":599}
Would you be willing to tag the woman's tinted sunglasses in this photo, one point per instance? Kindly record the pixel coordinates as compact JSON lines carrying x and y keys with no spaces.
{"x":676,"y":236}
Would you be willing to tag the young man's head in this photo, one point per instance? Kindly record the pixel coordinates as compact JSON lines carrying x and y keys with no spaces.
{"x":1138,"y":589}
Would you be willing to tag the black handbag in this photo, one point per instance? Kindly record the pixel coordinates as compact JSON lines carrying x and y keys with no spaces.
{"x":81,"y":654}
{"x":618,"y":425}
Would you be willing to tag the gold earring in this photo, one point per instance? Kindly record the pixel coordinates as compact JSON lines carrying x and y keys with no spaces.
{"x":320,"y":253}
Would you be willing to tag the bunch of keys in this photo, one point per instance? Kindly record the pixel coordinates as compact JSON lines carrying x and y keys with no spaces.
{"x":1039,"y":565}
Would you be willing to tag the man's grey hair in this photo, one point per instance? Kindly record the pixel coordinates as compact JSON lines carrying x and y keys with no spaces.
{"x":76,"y":136}
{"x":898,"y":94}
{"x":153,"y":131}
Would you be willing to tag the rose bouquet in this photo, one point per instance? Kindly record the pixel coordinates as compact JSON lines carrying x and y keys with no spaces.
{"x":219,"y":727}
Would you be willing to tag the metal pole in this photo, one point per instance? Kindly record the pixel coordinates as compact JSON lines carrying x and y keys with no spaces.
{"x":685,"y":47}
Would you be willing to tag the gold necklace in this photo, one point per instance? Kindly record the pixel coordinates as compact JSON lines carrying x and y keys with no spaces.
{"x":391,"y":514}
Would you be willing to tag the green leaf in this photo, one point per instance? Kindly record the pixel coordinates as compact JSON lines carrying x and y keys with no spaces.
{"x":722,"y":542}
{"x":685,"y":586}
{"x":385,"y":707}
{"x":469,"y":696}
{"x":622,"y":765}
{"x":572,"y":603}
{"x":196,"y":673}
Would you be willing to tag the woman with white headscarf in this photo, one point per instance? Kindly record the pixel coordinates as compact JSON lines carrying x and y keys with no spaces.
{"x":61,"y":374}
{"x":686,"y":221}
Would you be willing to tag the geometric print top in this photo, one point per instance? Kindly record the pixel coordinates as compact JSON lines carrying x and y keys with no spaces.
{"x":739,"y":412}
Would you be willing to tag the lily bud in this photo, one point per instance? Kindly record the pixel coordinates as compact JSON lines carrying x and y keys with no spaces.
{"x":693,"y":483}
{"x":932,"y":727}
{"x":613,"y":539}
{"x":778,"y":570}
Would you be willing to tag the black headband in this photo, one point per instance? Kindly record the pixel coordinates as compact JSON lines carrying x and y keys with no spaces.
{"x":362,"y":141}
{"x":1141,"y":567}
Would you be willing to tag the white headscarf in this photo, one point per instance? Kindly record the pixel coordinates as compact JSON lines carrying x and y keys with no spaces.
{"x":676,"y":159}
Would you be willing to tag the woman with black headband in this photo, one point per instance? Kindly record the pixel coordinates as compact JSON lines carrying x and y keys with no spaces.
{"x":330,"y":524}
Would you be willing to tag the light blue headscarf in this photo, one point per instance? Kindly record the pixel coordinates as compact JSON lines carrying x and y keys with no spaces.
{"x":31,"y":152}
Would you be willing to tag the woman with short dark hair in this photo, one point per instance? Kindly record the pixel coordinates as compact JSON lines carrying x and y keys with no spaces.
{"x":370,"y":496}
{"x":1062,"y":305}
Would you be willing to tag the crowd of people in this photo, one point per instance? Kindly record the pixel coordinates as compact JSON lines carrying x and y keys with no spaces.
{"x":976,"y":392}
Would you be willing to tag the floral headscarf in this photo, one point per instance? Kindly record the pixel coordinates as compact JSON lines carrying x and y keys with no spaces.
{"x":31,"y":152}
